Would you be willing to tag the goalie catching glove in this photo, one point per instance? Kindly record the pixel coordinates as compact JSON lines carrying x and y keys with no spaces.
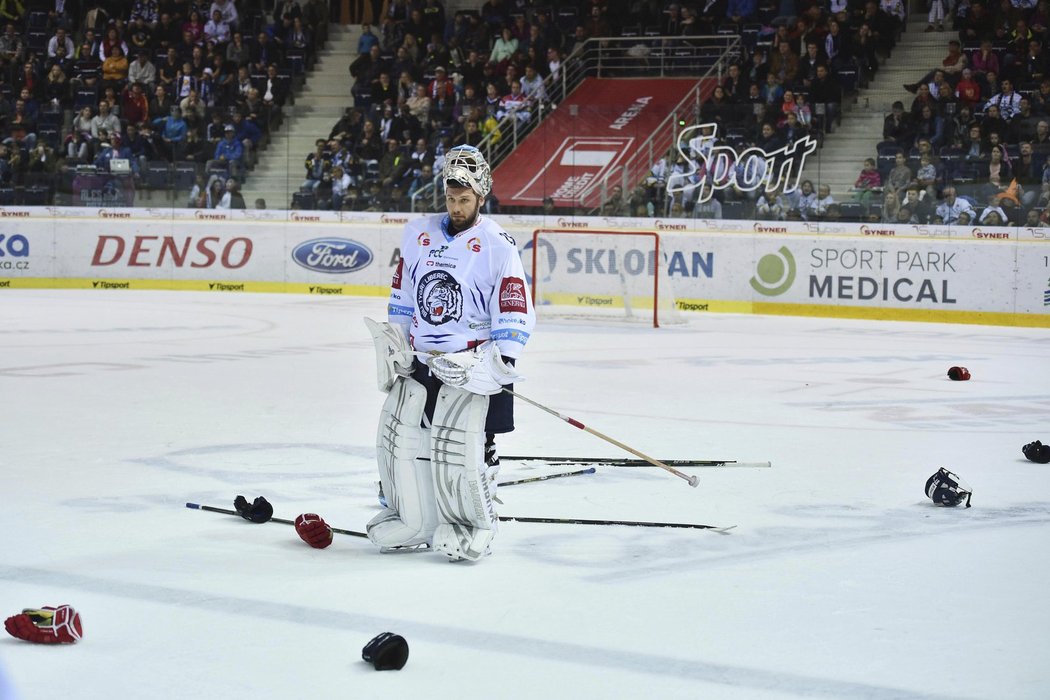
{"x":46,"y":625}
{"x":480,"y":371}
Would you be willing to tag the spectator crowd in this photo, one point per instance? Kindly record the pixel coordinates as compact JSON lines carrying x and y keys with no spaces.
{"x":155,"y":87}
{"x":144,"y":86}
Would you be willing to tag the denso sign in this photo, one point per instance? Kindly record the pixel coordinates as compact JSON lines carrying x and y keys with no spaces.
{"x":158,"y":251}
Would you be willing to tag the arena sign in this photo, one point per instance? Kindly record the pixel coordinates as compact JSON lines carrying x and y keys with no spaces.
{"x":721,"y":167}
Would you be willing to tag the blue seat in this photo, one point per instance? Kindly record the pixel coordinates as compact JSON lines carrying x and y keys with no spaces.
{"x":157,"y":175}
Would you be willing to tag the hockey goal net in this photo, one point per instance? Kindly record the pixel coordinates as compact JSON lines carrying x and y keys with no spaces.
{"x":617,"y":275}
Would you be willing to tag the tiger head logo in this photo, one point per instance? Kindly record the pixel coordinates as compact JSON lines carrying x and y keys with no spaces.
{"x":439,"y":298}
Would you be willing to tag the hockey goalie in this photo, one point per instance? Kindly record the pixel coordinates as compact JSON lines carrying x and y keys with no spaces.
{"x":459,"y":316}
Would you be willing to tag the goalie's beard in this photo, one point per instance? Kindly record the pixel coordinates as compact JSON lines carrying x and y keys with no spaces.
{"x":455,"y":228}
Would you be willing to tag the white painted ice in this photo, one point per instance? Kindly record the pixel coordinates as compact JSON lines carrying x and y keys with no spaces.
{"x":841,"y":580}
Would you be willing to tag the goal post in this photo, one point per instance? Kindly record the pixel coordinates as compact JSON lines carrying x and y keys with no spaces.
{"x":615,"y":275}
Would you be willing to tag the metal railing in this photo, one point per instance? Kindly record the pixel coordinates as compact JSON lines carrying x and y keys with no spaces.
{"x":699,"y":57}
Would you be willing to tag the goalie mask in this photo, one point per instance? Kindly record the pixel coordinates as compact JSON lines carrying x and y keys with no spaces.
{"x":464,"y":165}
{"x":946,"y":489}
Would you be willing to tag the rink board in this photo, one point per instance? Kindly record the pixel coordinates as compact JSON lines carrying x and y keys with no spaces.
{"x":994,"y":276}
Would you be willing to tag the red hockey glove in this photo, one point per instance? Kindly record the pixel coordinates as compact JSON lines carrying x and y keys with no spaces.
{"x":958,"y":374}
{"x":46,"y":625}
{"x":313,"y":530}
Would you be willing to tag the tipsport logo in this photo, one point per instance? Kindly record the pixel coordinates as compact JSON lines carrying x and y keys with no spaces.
{"x":775,"y":273}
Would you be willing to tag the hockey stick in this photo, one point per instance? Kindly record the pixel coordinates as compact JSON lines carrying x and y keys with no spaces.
{"x":544,"y":478}
{"x":560,"y":521}
{"x":283,"y":521}
{"x":631,"y":523}
{"x":692,"y":480}
{"x":615,"y":462}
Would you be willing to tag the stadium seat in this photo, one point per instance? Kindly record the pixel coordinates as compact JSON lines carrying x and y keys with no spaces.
{"x":184,"y":176}
{"x":734,"y":209}
{"x":304,"y":200}
{"x":888,"y":147}
{"x":157,"y":175}
{"x":85,"y":97}
{"x":37,"y":20}
{"x":567,"y":19}
{"x":885,"y":163}
{"x":852,"y":211}
{"x":847,"y":79}
{"x":295,"y":61}
{"x":36,"y":196}
{"x":36,"y":40}
{"x":50,"y":136}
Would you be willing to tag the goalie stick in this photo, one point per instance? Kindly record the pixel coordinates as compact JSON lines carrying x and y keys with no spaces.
{"x":692,"y":480}
{"x":619,"y":462}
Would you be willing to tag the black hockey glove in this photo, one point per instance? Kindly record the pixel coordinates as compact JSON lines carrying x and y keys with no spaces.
{"x":258,"y":512}
{"x":1037,"y":452}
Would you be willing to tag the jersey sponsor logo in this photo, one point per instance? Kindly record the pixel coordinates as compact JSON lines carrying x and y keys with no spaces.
{"x":474,"y":245}
{"x":398,"y":310}
{"x":396,"y":282}
{"x":439,"y":252}
{"x":512,"y":296}
{"x":332,"y":255}
{"x":508,"y":238}
{"x":423,"y":239}
{"x":439,"y":298}
{"x":511,"y":334}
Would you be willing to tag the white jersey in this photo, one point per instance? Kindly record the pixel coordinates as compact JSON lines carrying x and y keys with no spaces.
{"x":452,"y":293}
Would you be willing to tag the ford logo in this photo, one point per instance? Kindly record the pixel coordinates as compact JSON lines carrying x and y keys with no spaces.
{"x":332,"y":255}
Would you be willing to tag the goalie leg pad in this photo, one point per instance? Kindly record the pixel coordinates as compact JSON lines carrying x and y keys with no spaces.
{"x":411,"y":514}
{"x":467,"y":519}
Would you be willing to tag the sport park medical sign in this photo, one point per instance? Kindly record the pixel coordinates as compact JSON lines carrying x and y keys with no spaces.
{"x":714,"y":167}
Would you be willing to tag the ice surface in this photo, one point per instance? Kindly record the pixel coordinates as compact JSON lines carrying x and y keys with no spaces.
{"x":841,"y":580}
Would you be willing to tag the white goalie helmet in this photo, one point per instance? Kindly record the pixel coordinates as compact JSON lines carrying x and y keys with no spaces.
{"x":466,"y":165}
